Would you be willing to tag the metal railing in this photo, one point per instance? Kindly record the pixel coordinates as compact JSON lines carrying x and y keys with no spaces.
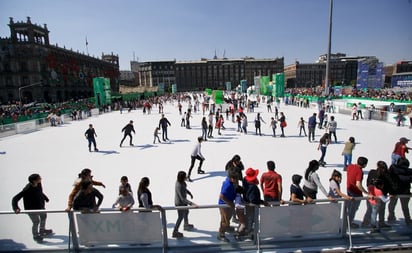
{"x":103,"y":227}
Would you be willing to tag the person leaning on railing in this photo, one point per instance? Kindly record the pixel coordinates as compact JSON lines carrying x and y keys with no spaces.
{"x":227,"y":196}
{"x":402,"y":175}
{"x":85,"y":175}
{"x":85,"y":199}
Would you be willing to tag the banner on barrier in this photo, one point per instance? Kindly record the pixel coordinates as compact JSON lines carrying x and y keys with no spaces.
{"x":298,"y":220}
{"x":126,"y":227}
{"x":26,"y":127}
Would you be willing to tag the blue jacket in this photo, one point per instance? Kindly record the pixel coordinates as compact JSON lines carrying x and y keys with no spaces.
{"x":228,"y":190}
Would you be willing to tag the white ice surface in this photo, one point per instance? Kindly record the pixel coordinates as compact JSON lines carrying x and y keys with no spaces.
{"x":58,"y":154}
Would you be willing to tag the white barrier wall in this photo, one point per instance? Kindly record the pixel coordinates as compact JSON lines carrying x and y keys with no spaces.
{"x":26,"y":127}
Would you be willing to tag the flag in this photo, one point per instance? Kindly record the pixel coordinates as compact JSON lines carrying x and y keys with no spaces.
{"x":87,"y":43}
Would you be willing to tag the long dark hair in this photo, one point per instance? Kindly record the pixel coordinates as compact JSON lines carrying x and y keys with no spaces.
{"x":181,"y":177}
{"x":382,"y":168}
{"x":335,"y":173}
{"x":324,"y":138}
{"x":144,"y":183}
{"x":85,"y":173}
{"x":313,"y":166}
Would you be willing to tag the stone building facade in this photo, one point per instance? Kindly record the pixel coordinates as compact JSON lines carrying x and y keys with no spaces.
{"x":32,"y":69}
{"x":215,"y":73}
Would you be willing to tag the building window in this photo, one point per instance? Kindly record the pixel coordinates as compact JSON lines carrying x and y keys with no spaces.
{"x":26,"y":80}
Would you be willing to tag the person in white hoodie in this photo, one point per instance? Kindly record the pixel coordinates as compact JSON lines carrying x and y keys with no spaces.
{"x":196,"y":155}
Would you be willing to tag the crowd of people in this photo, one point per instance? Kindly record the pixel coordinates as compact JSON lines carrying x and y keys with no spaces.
{"x":240,"y":194}
{"x":243,"y":189}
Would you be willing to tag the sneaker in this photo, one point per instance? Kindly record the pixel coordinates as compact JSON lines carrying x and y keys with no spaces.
{"x":354,"y":225}
{"x":177,"y":235}
{"x":375,"y":229}
{"x":38,"y":238}
{"x":188,"y":227}
{"x":222,"y":238}
{"x":45,"y":232}
{"x":235,"y":220}
{"x":365,"y":224}
{"x":391,"y":218}
{"x":384,"y":225}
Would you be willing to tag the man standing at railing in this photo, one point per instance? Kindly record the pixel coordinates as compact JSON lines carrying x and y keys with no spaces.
{"x":354,"y":187}
{"x":227,"y":196}
{"x":33,"y":199}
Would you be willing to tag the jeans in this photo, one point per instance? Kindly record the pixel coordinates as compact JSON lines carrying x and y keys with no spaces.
{"x":204,"y":133}
{"x":274,"y":131}
{"x":210,"y":131}
{"x":164,"y":134}
{"x":300,"y":130}
{"x":323,"y":152}
{"x":311,"y":133}
{"x":395,"y":158}
{"x":39,"y":222}
{"x":182,"y":214}
{"x":92,"y":140}
{"x":334,"y":135}
{"x":370,"y":216}
{"x":353,"y":206}
{"x":374,"y":213}
{"x":347,"y":159}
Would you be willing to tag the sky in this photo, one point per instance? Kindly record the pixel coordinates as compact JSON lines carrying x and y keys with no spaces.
{"x":58,"y":154}
{"x":187,"y":30}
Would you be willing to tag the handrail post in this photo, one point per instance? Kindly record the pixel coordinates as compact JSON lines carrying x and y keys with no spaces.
{"x":256,"y":239}
{"x":164,"y":229}
{"x":73,"y":232}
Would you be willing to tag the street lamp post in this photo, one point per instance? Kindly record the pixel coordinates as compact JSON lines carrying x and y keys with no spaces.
{"x":27,"y":86}
{"x":329,"y":49}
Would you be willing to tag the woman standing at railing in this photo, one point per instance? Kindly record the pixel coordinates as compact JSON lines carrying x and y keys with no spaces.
{"x":181,"y":193}
{"x":312,"y":182}
{"x":85,"y":175}
{"x":144,"y":195}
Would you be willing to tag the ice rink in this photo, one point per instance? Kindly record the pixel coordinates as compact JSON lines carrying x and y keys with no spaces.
{"x":58,"y":154}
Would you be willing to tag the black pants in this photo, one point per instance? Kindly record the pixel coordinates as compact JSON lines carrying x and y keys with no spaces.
{"x":92,"y":140}
{"x":311,"y":133}
{"x":192,"y":164}
{"x":164,"y":134}
{"x":124,"y":137}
